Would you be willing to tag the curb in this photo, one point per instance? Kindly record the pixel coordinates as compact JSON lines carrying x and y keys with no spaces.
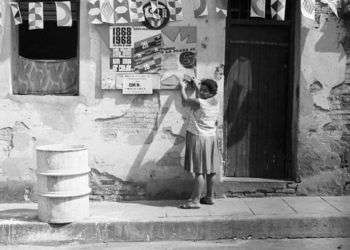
{"x":198,"y":228}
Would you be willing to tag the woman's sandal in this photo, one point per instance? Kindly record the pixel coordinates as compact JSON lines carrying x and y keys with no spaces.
{"x":190,"y":205}
{"x":206,"y":200}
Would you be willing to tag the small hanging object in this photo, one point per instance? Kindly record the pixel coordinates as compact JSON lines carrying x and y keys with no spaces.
{"x":17,"y":17}
{"x":308,"y":9}
{"x":136,"y":11}
{"x":35,"y":15}
{"x":221,"y":8}
{"x":200,"y":8}
{"x":278,"y":9}
{"x":95,"y":12}
{"x":107,"y":11}
{"x":156,"y":19}
{"x":64,"y":14}
{"x":122,"y":12}
{"x":257,"y":8}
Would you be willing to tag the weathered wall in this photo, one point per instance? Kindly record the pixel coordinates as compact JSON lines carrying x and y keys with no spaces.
{"x":136,"y":143}
{"x":324,"y":106}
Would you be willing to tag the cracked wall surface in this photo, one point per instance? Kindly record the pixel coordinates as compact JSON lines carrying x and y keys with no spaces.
{"x":324,"y":105}
{"x":136,"y":143}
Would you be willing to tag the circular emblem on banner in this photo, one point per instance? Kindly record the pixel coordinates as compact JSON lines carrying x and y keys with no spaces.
{"x":188,"y":59}
{"x":156,"y":17}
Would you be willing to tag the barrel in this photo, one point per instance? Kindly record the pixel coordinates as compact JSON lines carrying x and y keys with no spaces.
{"x":62,"y":183}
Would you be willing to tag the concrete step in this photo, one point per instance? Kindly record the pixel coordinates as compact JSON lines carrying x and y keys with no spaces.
{"x":288,"y":217}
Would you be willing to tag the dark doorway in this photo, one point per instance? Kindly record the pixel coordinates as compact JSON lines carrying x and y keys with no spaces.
{"x":258,"y":92}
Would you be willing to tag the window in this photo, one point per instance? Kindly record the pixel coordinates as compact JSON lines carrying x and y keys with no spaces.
{"x":47,"y":62}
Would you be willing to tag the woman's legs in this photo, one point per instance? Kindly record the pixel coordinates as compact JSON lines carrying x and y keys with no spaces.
{"x":210,"y":185}
{"x":198,"y":188}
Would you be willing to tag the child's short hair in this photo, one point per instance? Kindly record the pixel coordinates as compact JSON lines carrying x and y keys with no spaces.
{"x":211,"y":85}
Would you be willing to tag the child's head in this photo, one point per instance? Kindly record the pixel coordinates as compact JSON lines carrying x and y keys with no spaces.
{"x":208,"y":88}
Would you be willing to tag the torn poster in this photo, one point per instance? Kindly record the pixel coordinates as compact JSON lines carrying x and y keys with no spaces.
{"x":64,"y":14}
{"x":278,"y":9}
{"x":200,"y":8}
{"x":257,"y":8}
{"x":179,"y":54}
{"x":94,"y":12}
{"x":308,"y":8}
{"x":175,"y":9}
{"x":36,"y":15}
{"x":16,"y":13}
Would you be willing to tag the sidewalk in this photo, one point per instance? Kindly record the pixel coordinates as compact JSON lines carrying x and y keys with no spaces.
{"x":276,"y":217}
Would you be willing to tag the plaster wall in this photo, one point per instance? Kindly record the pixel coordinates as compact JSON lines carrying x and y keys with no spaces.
{"x":323,"y":106}
{"x":136,"y":143}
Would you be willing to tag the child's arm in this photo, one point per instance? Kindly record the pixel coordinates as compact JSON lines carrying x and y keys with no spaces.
{"x":193,"y":103}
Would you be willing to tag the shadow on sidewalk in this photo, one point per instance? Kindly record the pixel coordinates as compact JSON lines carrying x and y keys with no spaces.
{"x":19,"y":215}
{"x":156,"y":203}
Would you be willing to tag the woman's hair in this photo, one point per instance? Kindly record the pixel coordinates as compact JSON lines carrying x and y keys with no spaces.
{"x":211,"y":85}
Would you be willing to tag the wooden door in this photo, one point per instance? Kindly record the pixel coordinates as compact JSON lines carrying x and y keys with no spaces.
{"x":257,"y":93}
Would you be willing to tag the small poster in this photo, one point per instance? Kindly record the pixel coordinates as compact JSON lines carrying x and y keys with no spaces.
{"x":137,"y":84}
{"x":121,"y":36}
{"x":121,"y":60}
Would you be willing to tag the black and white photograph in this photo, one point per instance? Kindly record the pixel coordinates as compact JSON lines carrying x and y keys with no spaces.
{"x":175,"y":124}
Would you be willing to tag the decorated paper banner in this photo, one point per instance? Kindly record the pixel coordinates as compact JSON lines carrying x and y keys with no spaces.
{"x":221,"y":8}
{"x":136,"y":11}
{"x":122,"y":12}
{"x":308,"y":8}
{"x":2,"y":12}
{"x":107,"y":11}
{"x":179,"y":12}
{"x":64,"y":14}
{"x":278,"y":9}
{"x":17,"y":17}
{"x":175,"y":9}
{"x":333,"y":4}
{"x":200,"y":8}
{"x":95,"y":12}
{"x":257,"y":8}
{"x":35,"y":15}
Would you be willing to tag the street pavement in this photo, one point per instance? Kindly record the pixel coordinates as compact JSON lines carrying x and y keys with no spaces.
{"x":143,"y":221}
{"x":269,"y":244}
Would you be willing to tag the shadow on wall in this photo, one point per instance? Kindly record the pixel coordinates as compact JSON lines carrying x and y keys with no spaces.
{"x":170,"y":160}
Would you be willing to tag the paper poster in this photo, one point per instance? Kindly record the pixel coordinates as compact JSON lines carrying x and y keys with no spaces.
{"x":257,"y":8}
{"x":137,"y":84}
{"x":64,"y":14}
{"x":179,"y":54}
{"x":121,"y":36}
{"x":147,"y":55}
{"x":121,"y":60}
{"x":278,"y":9}
{"x":308,"y":8}
{"x":175,"y":9}
{"x":35,"y":15}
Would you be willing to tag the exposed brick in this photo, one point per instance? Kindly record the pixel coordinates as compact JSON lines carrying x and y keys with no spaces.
{"x":292,"y":185}
{"x":255,"y":195}
{"x":286,"y":191}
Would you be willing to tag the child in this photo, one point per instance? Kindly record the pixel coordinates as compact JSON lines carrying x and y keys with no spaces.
{"x":201,"y":155}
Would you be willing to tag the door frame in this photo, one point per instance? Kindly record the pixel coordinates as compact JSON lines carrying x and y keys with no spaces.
{"x":292,"y":91}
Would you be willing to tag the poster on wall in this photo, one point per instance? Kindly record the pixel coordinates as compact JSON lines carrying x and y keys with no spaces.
{"x":161,"y":55}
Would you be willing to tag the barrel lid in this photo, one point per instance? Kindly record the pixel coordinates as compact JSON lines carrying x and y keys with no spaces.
{"x":61,"y":148}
